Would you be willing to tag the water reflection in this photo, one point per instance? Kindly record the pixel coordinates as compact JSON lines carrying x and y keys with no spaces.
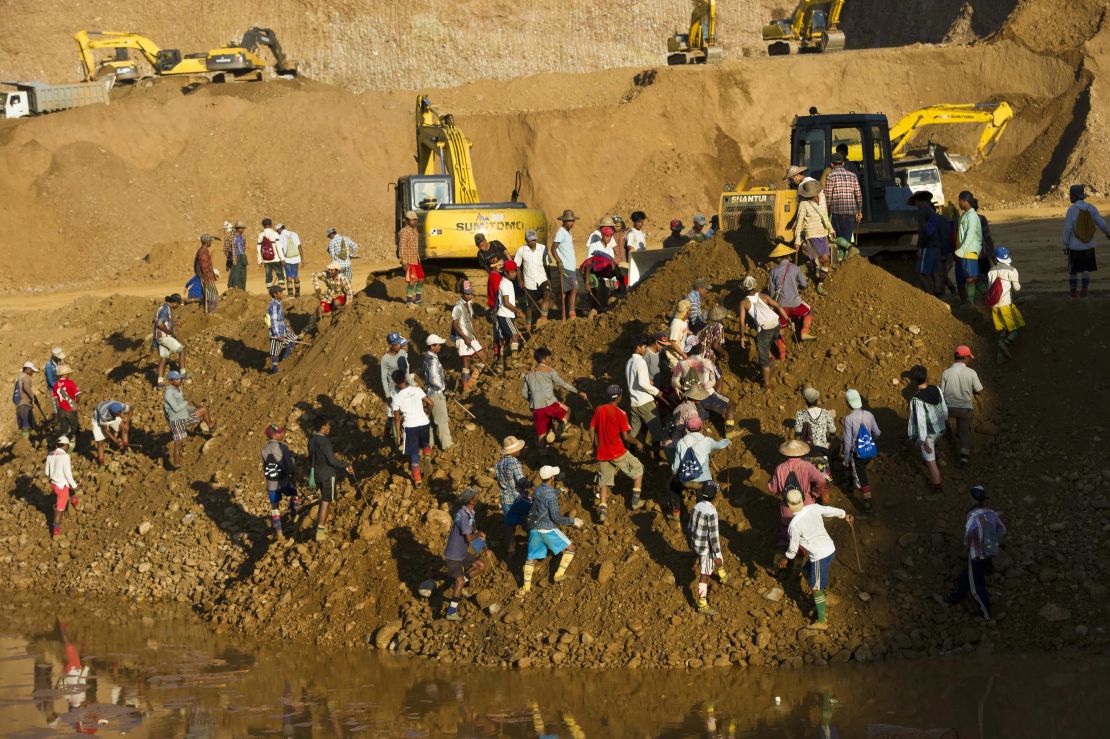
{"x":118,"y":670}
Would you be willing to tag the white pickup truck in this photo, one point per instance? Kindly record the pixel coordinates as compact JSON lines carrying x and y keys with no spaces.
{"x":36,"y":98}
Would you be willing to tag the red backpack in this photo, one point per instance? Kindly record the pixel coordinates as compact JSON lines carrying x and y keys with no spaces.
{"x":994,"y":292}
{"x":267,"y":249}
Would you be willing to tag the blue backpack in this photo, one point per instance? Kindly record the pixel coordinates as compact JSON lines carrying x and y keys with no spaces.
{"x":689,"y":469}
{"x":17,"y":392}
{"x":865,"y":445}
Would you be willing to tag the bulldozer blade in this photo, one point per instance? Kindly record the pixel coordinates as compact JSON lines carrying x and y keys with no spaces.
{"x":832,"y":41}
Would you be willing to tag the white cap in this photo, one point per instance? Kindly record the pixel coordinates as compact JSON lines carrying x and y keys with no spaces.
{"x":434,"y":339}
{"x":31,"y":366}
{"x":548,"y":471}
{"x":57,"y":352}
{"x":63,"y":440}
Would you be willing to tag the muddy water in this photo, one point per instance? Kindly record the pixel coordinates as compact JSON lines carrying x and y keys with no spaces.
{"x":116,"y":669}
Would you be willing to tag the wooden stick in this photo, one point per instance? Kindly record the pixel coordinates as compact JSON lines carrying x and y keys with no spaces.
{"x":855,"y":546}
{"x":465,"y":409}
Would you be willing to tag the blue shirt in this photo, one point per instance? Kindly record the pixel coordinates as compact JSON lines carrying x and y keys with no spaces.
{"x":164,"y":316}
{"x":457,"y":545}
{"x":50,"y":370}
{"x":564,"y":248}
{"x":277,"y":319}
{"x":695,"y":306}
{"x":546,"y":502}
{"x":509,"y":473}
{"x":703,"y":446}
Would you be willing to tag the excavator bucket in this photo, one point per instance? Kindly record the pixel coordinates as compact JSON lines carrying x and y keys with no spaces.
{"x":713,"y":55}
{"x":832,"y":41}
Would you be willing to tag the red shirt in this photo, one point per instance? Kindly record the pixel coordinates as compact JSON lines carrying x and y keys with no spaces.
{"x":491,"y":288}
{"x":609,"y":421}
{"x":66,"y":393}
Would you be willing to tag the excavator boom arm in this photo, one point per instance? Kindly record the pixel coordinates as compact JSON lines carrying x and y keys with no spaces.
{"x":88,"y":41}
{"x":995,"y":116}
{"x":703,"y":25}
{"x":441,"y":148}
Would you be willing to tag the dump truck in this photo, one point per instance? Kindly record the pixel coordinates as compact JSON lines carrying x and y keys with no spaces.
{"x":36,"y":98}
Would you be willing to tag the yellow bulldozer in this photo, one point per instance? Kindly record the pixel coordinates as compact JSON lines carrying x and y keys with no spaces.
{"x":699,"y":44}
{"x":814,"y":26}
{"x":238,"y":61}
{"x":444,"y":194}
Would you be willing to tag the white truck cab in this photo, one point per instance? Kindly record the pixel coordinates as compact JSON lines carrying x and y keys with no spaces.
{"x":15,"y":104}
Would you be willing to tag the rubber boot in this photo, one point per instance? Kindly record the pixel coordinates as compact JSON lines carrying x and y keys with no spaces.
{"x":780,"y":346}
{"x":275,"y":521}
{"x":564,"y":562}
{"x":526,"y":587}
{"x":806,"y":335}
{"x":416,"y":476}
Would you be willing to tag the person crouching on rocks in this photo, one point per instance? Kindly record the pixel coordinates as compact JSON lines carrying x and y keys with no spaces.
{"x":462,"y":563}
{"x":182,"y":415}
{"x":543,"y":535}
{"x":807,"y":531}
{"x":705,"y":541}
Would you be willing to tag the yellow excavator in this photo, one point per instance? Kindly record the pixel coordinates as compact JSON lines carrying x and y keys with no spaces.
{"x":814,"y":26}
{"x":444,"y":194}
{"x":217,"y":64}
{"x":995,"y":117}
{"x":699,"y":44}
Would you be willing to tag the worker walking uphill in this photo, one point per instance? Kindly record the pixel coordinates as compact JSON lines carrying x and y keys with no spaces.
{"x":814,"y":231}
{"x":396,"y":357}
{"x":807,"y":531}
{"x":235,"y":257}
{"x":282,"y":338}
{"x":507,"y":313}
{"x":544,"y":536}
{"x":642,"y":393}
{"x":566,"y":259}
{"x":705,"y":541}
{"x":509,"y":473}
{"x":408,"y":253}
{"x":435,"y":379}
{"x":26,"y":399}
{"x":959,"y":384}
{"x":983,"y":533}
{"x":844,"y":197}
{"x":1004,"y":282}
{"x":696,"y":317}
{"x":860,"y":434}
{"x":928,"y":419}
{"x":50,"y":374}
{"x":786,"y":282}
{"x":67,"y":399}
{"x":466,"y":339}
{"x":325,"y":467}
{"x":182,"y":416}
{"x":111,"y":421}
{"x":816,"y":426}
{"x":531,"y":260}
{"x":164,"y":340}
{"x":691,"y":467}
{"x":609,"y":432}
{"x":1081,"y":224}
{"x":538,"y":388}
{"x":280,"y":471}
{"x":291,"y":251}
{"x":795,"y":473}
{"x":463,"y":553}
{"x":342,"y":249}
{"x":410,"y":406}
{"x":60,"y":473}
{"x":761,"y":310}
{"x":932,"y":238}
{"x":270,"y":255}
{"x":207,"y":274}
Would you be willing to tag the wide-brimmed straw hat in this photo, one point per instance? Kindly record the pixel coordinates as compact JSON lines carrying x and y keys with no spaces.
{"x":782,"y":250}
{"x":511,"y":444}
{"x":794,"y":448}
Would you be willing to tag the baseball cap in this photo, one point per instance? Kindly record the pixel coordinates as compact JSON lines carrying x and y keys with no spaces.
{"x":273,"y":430}
{"x":467,"y":495}
{"x":699,"y":219}
{"x":695,"y":423}
{"x":837,"y":158}
{"x":811,"y":395}
{"x":853,"y":399}
{"x":434,"y":339}
{"x":331,"y":231}
{"x":57,"y":352}
{"x":548,"y":471}
{"x":205,"y":238}
{"x":676,"y":225}
{"x":31,"y":366}
{"x":467,"y":287}
{"x":530,"y":235}
{"x":175,"y":298}
{"x":614,"y":391}
{"x":1002,"y":254}
{"x":979,"y":492}
{"x":410,"y":215}
{"x":173,"y":375}
{"x":661,"y":336}
{"x":279,"y":226}
{"x":395,"y":339}
{"x":63,"y":440}
{"x":479,"y":239}
{"x":509,"y":265}
{"x":964,"y":351}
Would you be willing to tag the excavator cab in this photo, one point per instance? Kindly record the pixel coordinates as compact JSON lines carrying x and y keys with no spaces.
{"x":166,"y":60}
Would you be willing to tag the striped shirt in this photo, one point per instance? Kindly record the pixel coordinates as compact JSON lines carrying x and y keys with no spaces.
{"x":337,"y":245}
{"x":705,"y":538}
{"x":329,"y":288}
{"x":509,"y":473}
{"x":928,"y":414}
{"x":408,"y":245}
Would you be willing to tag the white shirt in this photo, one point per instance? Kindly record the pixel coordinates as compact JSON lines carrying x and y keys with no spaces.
{"x":531,"y":266}
{"x":641,"y":391}
{"x":290,"y":243}
{"x":596,"y":243}
{"x":761,"y":313}
{"x":58,"y":469}
{"x":275,"y":239}
{"x":1007,"y":275}
{"x":635,"y":240}
{"x":410,"y":402}
{"x":506,"y":296}
{"x":807,"y":529}
{"x":564,"y":248}
{"x":820,"y":196}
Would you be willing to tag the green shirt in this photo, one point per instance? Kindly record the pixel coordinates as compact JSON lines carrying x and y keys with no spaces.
{"x":970,"y":235}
